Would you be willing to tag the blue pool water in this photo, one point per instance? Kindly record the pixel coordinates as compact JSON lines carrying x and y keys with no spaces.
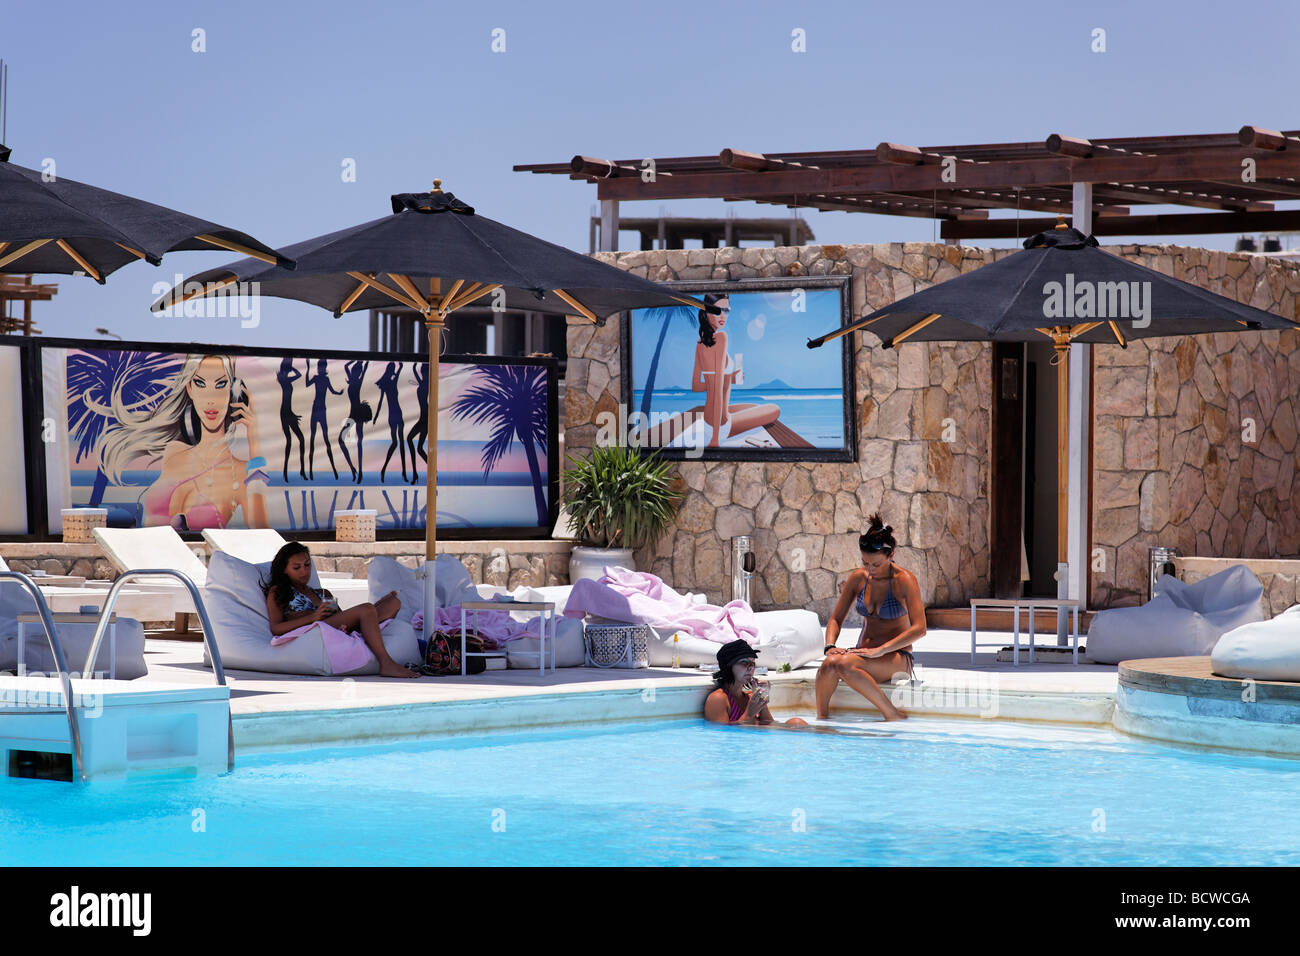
{"x":943,"y":792}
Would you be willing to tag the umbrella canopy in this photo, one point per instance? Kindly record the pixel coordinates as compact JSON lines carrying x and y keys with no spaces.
{"x":1062,"y":287}
{"x":67,"y":227}
{"x":434,"y":254}
{"x":435,"y":236}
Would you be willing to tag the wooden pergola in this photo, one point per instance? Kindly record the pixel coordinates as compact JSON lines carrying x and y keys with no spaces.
{"x":16,"y":288}
{"x":1235,"y":177}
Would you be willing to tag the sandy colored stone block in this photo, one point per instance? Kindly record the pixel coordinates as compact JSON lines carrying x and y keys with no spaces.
{"x":797,"y":489}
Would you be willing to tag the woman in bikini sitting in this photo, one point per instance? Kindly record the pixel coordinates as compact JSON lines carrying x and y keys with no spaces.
{"x":893,"y":619}
{"x":738,"y":698}
{"x":292,"y":603}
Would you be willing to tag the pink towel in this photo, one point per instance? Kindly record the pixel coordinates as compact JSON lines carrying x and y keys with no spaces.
{"x":346,"y":652}
{"x":497,"y":628}
{"x":638,"y":597}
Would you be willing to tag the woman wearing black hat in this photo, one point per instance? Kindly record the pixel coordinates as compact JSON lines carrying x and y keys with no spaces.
{"x":893,"y":619}
{"x":738,"y":698}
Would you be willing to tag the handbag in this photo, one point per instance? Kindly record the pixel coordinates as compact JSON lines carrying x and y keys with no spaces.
{"x":442,"y":654}
{"x":617,"y":645}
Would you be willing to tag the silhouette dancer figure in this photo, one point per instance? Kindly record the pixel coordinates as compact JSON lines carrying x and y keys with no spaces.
{"x":359,"y":413}
{"x":288,"y":420}
{"x":318,"y":420}
{"x":387,"y":386}
{"x":421,"y":427}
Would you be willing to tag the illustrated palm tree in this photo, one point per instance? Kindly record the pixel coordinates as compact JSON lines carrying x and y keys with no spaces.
{"x":512,"y":399}
{"x":140,"y":379}
{"x":668,"y":313}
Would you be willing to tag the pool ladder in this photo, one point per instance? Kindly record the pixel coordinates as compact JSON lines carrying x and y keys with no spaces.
{"x":101,"y":627}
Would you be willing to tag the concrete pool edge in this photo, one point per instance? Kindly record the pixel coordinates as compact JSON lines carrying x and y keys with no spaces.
{"x":272,"y":730}
{"x":1179,"y":700}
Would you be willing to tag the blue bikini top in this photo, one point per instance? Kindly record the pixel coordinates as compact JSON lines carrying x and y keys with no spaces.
{"x":890,"y":608}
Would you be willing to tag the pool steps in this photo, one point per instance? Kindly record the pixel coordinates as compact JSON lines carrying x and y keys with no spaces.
{"x":112,"y":728}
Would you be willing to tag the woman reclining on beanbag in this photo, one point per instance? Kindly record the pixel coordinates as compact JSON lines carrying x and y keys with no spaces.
{"x":293,"y":606}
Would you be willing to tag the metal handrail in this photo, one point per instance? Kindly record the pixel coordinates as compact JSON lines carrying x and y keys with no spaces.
{"x":209,"y":635}
{"x":60,"y":663}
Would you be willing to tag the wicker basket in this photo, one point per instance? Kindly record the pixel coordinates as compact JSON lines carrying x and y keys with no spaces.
{"x":79,"y":524}
{"x":618,"y":645}
{"x":354,"y":525}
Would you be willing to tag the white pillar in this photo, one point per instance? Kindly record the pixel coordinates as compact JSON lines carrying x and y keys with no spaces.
{"x":609,"y":225}
{"x":1076,"y":464}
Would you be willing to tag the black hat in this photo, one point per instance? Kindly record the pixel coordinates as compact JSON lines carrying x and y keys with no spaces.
{"x":737,"y":650}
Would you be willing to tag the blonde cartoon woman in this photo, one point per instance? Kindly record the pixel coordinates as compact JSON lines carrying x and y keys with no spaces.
{"x":714,"y":374}
{"x":202,"y":483}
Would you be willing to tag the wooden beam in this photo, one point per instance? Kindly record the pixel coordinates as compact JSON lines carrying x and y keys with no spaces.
{"x":1068,"y":146}
{"x":23,"y":250}
{"x":1257,"y":137}
{"x":236,"y":247}
{"x":79,"y":259}
{"x":913,"y":329}
{"x":1174,"y":224}
{"x":465,"y":298}
{"x":1197,"y":166}
{"x":391,"y":293}
{"x":407,"y":286}
{"x":355,"y":294}
{"x":582,"y":310}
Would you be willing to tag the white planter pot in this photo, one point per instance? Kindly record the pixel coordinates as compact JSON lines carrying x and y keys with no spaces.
{"x":591,"y":562}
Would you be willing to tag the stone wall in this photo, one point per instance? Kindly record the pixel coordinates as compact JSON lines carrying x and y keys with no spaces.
{"x":1169,"y":464}
{"x":806,"y":517}
{"x":1194,"y":440}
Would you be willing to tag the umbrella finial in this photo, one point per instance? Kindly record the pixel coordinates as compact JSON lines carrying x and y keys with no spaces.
{"x":1060,"y":221}
{"x":437,"y":186}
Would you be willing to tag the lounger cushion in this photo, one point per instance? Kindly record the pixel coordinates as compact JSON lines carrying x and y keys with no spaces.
{"x":75,"y":638}
{"x":1182,"y":620}
{"x":1264,"y":650}
{"x":162,"y":547}
{"x":248,"y":544}
{"x":237,"y":608}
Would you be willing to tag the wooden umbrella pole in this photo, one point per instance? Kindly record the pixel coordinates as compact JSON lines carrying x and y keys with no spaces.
{"x":434,"y":321}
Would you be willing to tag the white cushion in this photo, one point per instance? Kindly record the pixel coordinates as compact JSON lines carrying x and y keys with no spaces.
{"x":570,"y":647}
{"x":452,"y":583}
{"x":1263,"y":650}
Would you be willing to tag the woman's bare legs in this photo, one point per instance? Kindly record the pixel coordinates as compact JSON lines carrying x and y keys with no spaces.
{"x":387,"y":607}
{"x":365,"y":618}
{"x":849,"y":668}
{"x":747,"y":416}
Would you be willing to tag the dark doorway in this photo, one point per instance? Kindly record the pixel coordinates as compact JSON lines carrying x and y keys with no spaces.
{"x":1007,"y":470}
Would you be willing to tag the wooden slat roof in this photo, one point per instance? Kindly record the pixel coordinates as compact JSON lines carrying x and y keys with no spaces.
{"x":1239,"y":177}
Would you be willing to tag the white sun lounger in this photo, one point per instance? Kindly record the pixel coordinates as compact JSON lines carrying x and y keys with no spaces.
{"x":256,"y":546}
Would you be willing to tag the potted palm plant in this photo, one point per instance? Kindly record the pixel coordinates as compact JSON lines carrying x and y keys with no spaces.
{"x":618,"y":500}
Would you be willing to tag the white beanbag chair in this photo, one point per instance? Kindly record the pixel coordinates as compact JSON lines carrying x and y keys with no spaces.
{"x":1182,"y":620}
{"x":1264,"y":650}
{"x":236,"y":605}
{"x":452,"y":583}
{"x":75,"y":638}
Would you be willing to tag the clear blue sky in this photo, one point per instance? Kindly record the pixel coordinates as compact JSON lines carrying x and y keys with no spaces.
{"x":253,"y":132}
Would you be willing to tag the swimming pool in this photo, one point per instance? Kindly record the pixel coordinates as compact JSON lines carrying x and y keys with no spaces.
{"x":928,"y":791}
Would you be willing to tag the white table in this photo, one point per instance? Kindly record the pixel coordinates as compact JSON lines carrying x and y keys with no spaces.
{"x":67,"y":618}
{"x":1054,"y":604}
{"x":546,"y":609}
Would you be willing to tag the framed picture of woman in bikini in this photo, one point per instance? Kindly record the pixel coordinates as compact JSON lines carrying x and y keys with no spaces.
{"x":742,"y":384}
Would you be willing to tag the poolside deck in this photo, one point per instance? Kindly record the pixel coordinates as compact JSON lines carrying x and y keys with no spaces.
{"x":275,"y":710}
